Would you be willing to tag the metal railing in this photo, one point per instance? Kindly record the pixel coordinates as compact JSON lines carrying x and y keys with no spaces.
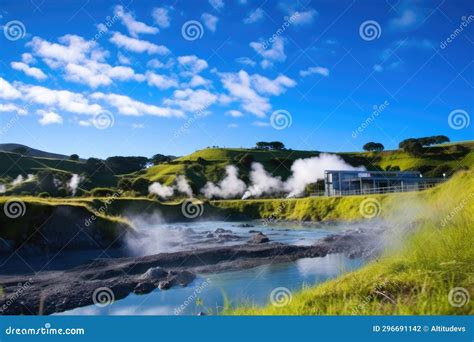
{"x":381,"y":190}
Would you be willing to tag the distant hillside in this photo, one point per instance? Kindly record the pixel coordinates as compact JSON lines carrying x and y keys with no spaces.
{"x":31,"y":152}
{"x":209,"y":164}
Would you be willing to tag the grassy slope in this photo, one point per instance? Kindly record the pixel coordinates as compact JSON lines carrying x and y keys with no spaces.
{"x":279,"y":162}
{"x":416,"y":277}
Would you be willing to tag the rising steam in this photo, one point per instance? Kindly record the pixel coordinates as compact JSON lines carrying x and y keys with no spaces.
{"x":73,"y":183}
{"x":163,"y":191}
{"x":229,"y":187}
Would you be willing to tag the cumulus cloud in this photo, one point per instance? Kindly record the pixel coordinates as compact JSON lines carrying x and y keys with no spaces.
{"x":161,"y":15}
{"x":407,"y":19}
{"x":64,"y":99}
{"x":229,"y":187}
{"x":8,"y":91}
{"x":137,"y":45}
{"x":246,"y":61}
{"x":234,"y":113}
{"x":133,"y":26}
{"x":192,"y":100}
{"x":276,"y":53}
{"x":315,"y":70}
{"x":128,"y":106}
{"x":217,"y":4}
{"x":49,"y":117}
{"x":30,"y":71}
{"x":254,"y":16}
{"x":252,"y":91}
{"x":210,"y":21}
{"x":161,"y":81}
{"x":12,"y":108}
{"x":192,"y":64}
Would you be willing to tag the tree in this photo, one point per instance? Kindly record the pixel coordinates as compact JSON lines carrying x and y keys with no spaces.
{"x":21,"y":150}
{"x":276,"y":145}
{"x":160,"y":158}
{"x":141,"y":185}
{"x":372,"y":146}
{"x":74,"y":157}
{"x":94,"y":165}
{"x":123,"y":165}
{"x":412,"y":146}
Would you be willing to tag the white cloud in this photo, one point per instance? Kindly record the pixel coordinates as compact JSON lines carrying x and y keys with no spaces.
{"x":27,"y":58}
{"x":210,"y":21}
{"x":161,"y":81}
{"x":137,"y":45}
{"x":217,"y":4}
{"x":7,"y":91}
{"x":253,"y":91}
{"x":192,"y":64}
{"x":261,"y":124}
{"x":192,"y":100}
{"x":49,"y":118}
{"x":161,"y":16}
{"x":233,"y":125}
{"x":138,"y":126}
{"x":315,"y":70}
{"x":122,"y":59}
{"x":157,"y":64}
{"x":239,"y":87}
{"x":378,"y":68}
{"x":64,"y":99}
{"x":197,"y":81}
{"x":128,"y":106}
{"x":274,"y":54}
{"x":10,"y":108}
{"x":407,"y":19}
{"x":133,"y":26}
{"x":305,"y":17}
{"x":254,"y":16}
{"x":30,"y":71}
{"x":246,"y":61}
{"x":272,"y":87}
{"x":234,"y":113}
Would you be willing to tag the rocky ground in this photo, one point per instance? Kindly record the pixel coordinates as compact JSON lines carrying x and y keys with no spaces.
{"x":98,"y":281}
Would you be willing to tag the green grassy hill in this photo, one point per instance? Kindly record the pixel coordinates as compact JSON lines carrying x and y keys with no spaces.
{"x":416,"y":275}
{"x":209,"y":164}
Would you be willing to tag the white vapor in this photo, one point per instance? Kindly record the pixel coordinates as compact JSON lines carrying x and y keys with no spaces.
{"x":181,"y":185}
{"x":230,"y":186}
{"x":262,"y":182}
{"x":3,"y":188}
{"x":309,"y":170}
{"x":161,"y":190}
{"x":73,"y":183}
{"x":20,"y":179}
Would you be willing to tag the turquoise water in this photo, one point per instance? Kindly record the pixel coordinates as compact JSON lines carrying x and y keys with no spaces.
{"x":209,"y":292}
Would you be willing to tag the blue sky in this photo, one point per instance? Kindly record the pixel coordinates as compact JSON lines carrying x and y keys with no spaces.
{"x":109,"y":78}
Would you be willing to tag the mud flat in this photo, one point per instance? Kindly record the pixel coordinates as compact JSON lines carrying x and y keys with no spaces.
{"x":99,"y":281}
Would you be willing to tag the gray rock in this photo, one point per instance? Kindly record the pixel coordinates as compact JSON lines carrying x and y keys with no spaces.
{"x":154,"y":273}
{"x":144,"y":288}
{"x":259,"y":238}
